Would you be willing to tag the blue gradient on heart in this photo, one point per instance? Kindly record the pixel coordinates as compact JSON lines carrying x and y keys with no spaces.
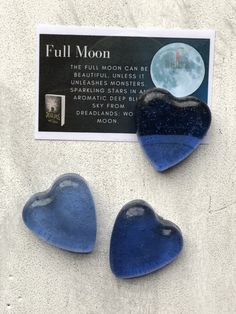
{"x":64,"y":216}
{"x":142,"y":242}
{"x":166,"y":150}
{"x":169,"y":129}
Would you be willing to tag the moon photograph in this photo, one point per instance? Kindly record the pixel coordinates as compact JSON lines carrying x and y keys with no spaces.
{"x":178,"y":68}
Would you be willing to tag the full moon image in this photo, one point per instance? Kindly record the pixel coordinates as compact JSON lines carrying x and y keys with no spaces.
{"x":178,"y":68}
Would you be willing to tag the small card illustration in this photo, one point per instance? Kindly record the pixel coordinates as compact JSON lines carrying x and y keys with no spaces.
{"x":100,"y":73}
{"x":55,"y":109}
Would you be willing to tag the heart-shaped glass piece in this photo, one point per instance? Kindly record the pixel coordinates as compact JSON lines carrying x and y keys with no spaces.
{"x":64,"y":215}
{"x":142,"y":242}
{"x":169,"y":129}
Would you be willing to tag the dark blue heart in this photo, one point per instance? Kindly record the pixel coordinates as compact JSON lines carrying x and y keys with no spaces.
{"x":142,"y":242}
{"x":64,"y":215}
{"x":169,"y":129}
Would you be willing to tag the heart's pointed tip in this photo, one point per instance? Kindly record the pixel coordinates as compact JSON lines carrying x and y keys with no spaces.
{"x":166,"y":168}
{"x":89,"y":248}
{"x":80,"y":251}
{"x":161,"y":169}
{"x":143,"y":274}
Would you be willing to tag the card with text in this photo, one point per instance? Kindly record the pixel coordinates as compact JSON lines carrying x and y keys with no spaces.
{"x":89,"y":79}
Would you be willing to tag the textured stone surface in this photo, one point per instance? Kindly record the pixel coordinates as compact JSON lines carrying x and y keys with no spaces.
{"x":142,"y":242}
{"x":39,"y":279}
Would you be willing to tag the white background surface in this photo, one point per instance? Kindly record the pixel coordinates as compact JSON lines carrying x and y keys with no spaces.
{"x":199,"y":195}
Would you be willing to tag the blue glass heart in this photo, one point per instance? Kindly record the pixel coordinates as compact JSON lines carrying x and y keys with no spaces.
{"x":169,"y":129}
{"x":64,"y":215}
{"x":142,"y":242}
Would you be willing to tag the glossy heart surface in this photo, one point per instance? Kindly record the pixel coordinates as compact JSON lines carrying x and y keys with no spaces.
{"x":142,"y":242}
{"x":169,"y":129}
{"x":64,"y":215}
